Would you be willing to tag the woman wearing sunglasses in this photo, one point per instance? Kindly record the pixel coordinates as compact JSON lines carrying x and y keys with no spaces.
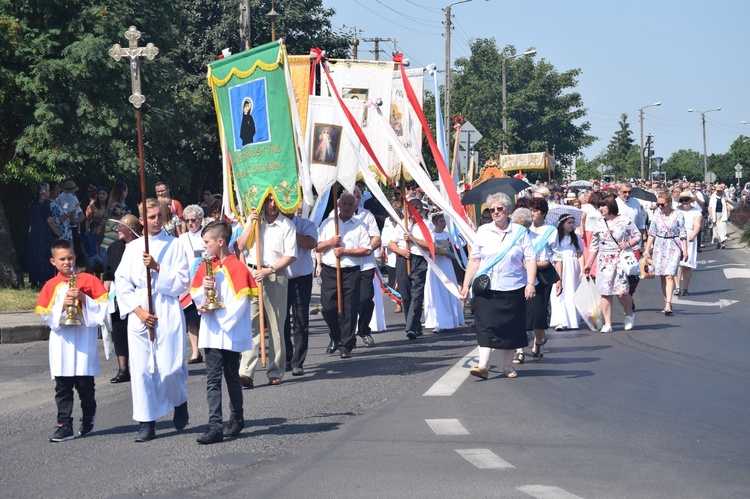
{"x":668,"y":238}
{"x":693,"y":224}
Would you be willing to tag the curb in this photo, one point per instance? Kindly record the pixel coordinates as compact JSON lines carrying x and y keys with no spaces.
{"x":24,"y":333}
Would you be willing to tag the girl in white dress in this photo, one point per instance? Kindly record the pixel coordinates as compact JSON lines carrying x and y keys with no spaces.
{"x":567,"y":253}
{"x":693,"y":223}
{"x":442,"y":310}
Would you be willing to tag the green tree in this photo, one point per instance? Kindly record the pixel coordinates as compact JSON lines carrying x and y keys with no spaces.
{"x":622,"y":141}
{"x":65,"y":111}
{"x":541,"y":108}
{"x":684,"y":163}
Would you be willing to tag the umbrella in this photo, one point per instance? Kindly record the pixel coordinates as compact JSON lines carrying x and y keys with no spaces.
{"x":638,"y":193}
{"x":553,"y":215}
{"x":509,"y":185}
{"x":581,"y":183}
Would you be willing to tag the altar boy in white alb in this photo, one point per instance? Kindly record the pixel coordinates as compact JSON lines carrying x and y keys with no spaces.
{"x":158,"y":369}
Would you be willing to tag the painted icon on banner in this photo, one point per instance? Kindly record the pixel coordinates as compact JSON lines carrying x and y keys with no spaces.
{"x":249,"y":104}
{"x":326,"y":143}
{"x":357,"y":94}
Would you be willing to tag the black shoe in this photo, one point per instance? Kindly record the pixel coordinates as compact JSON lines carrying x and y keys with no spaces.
{"x":87,"y":425}
{"x":411,"y":335}
{"x":146,"y":432}
{"x":181,"y":417}
{"x":246,"y":382}
{"x":288,"y":368}
{"x":121,"y":377}
{"x":345,"y":353}
{"x":197,"y":360}
{"x":298,"y":371}
{"x":633,"y":305}
{"x":368,"y":341}
{"x":212,"y":436}
{"x":332,"y":347}
{"x":64,"y":432}
{"x":234,"y":427}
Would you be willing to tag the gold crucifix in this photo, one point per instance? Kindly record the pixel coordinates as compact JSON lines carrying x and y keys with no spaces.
{"x":134,"y":52}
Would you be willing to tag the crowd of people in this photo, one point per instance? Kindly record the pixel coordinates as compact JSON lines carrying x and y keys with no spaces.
{"x":207,"y":279}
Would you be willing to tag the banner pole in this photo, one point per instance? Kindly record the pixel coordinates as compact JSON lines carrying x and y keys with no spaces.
{"x":340,"y":298}
{"x":261,"y":314}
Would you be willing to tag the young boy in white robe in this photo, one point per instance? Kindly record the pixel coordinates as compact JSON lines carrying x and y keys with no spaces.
{"x":226,"y":328}
{"x":73,"y":359}
{"x":157,"y":368}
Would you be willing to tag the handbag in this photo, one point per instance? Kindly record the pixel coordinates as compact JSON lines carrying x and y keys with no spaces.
{"x":548,"y":275}
{"x":627,"y":263}
{"x":480,"y":285}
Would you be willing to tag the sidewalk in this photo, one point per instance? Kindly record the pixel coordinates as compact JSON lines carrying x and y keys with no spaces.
{"x":21,"y":327}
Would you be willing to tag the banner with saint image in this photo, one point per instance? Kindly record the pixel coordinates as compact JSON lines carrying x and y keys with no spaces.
{"x":255,"y":128}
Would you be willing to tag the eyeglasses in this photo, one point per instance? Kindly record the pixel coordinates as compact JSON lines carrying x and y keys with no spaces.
{"x":496,"y":210}
{"x":191,"y":220}
{"x":624,"y":192}
{"x":661,"y":205}
{"x":685,"y":200}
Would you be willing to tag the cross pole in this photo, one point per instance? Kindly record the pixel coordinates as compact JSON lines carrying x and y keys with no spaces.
{"x":134,"y":52}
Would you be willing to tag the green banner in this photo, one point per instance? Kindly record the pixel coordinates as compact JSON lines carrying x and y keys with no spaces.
{"x":255,"y":128}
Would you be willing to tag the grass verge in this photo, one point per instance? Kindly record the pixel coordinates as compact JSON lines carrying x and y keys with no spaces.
{"x":14,"y":300}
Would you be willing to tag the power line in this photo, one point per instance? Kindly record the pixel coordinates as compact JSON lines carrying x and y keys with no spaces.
{"x":393,"y":22}
{"x":429,"y":9}
{"x":429,"y":24}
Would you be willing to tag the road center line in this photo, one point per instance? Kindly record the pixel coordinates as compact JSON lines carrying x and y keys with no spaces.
{"x":450,"y":381}
{"x":547,"y":492}
{"x":737,"y":273}
{"x":484,"y":459}
{"x":446,"y":427}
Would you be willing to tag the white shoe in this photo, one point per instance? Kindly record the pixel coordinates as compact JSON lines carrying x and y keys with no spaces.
{"x":629,"y":322}
{"x":606,"y":328}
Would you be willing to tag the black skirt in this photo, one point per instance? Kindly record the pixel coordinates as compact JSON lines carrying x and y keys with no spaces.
{"x":537,"y":314}
{"x":500,"y":319}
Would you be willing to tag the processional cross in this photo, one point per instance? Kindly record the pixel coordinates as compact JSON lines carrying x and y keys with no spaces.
{"x":134,"y":52}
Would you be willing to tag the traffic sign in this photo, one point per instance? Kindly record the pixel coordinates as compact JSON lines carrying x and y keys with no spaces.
{"x":468,"y":136}
{"x":601,"y":168}
{"x":738,"y":168}
{"x":738,"y":174}
{"x":710,"y":177}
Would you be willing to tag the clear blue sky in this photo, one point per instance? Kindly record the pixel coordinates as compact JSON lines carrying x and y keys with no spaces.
{"x":685,"y":54}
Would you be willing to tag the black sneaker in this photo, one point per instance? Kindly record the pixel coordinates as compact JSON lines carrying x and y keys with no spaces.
{"x":181,"y":416}
{"x":234,"y":427}
{"x":411,"y":335}
{"x":212,"y":436}
{"x":87,"y":425}
{"x":63,"y":433}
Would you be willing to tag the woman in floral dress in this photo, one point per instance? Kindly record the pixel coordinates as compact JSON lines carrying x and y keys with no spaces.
{"x":668,"y":238}
{"x":612,"y":234}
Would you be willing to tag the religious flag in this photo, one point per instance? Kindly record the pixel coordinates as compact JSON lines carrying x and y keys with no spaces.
{"x":404,"y":120}
{"x":252,"y":102}
{"x":363,"y":81}
{"x":331,"y":157}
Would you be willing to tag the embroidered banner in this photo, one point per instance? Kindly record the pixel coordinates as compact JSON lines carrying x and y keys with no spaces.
{"x":255,"y":128}
{"x":404,"y":120}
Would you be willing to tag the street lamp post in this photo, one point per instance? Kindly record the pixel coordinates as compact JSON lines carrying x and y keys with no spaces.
{"x":273,"y":16}
{"x":640,"y":113}
{"x":505,"y":114}
{"x":448,"y":72}
{"x":705,"y":150}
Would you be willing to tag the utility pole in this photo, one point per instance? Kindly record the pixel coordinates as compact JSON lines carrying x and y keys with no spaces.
{"x":355,"y":40}
{"x":649,"y":144}
{"x":377,"y":41}
{"x":245,"y":24}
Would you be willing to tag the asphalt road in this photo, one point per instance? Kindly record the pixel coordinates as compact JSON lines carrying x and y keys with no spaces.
{"x":659,"y":411}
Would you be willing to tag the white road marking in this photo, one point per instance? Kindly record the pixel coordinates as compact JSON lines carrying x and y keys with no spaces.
{"x":547,"y":492}
{"x":704,"y":262}
{"x":720,"y":303}
{"x":446,"y":427}
{"x":484,"y":459}
{"x":450,"y":381}
{"x":737,"y":273}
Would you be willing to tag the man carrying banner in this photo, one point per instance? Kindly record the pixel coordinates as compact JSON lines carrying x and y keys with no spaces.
{"x":350,"y":245}
{"x":278,"y":241}
{"x":411,"y":285}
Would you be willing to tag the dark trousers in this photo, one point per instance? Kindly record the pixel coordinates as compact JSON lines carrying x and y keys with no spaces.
{"x":391,"y":276}
{"x":224,"y":362}
{"x":366,"y":305}
{"x":120,"y":335}
{"x":296,"y":325}
{"x":64,"y":397}
{"x":411,"y":288}
{"x":341,"y":325}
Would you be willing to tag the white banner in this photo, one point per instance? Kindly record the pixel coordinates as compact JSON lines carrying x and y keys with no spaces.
{"x":404,"y":120}
{"x":363,"y":81}
{"x":331,"y":157}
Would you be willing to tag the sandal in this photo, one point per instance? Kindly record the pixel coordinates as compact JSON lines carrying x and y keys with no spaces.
{"x":665,"y":311}
{"x":537,"y":350}
{"x":685,"y":292}
{"x":519,"y":358}
{"x":677,"y":292}
{"x":510,"y":373}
